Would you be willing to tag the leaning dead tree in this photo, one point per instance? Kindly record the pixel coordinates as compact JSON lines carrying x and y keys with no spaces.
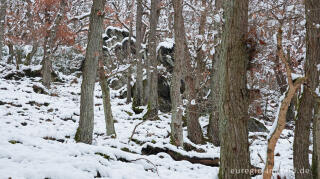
{"x":280,"y":122}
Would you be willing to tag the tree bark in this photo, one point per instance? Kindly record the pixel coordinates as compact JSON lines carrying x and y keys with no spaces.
{"x":312,"y":75}
{"x":11,"y":53}
{"x":234,"y":98}
{"x":50,"y":43}
{"x":301,"y":138}
{"x":138,"y":96}
{"x":129,"y":87}
{"x":179,"y":54}
{"x":153,"y":105}
{"x":213,"y":127}
{"x":280,"y":123}
{"x":94,"y":49}
{"x":3,"y":8}
{"x":106,"y":99}
{"x":192,"y":79}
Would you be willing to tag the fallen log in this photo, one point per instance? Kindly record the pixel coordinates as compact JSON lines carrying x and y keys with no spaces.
{"x":150,"y":150}
{"x":212,"y":162}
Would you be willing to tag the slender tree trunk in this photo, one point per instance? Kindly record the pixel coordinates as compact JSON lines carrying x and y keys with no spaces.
{"x":94,"y":49}
{"x":3,"y":8}
{"x":35,"y":43}
{"x":106,"y":99}
{"x":153,"y":106}
{"x":129,"y":87}
{"x":234,"y":102}
{"x":280,"y":123}
{"x":179,"y":54}
{"x":213,"y":127}
{"x":138,"y":97}
{"x":46,"y":65}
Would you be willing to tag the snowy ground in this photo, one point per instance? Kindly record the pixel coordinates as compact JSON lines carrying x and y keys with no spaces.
{"x":37,"y":131}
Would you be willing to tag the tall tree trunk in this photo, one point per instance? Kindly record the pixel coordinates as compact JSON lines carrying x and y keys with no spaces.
{"x":3,"y":8}
{"x":138,"y":96}
{"x":234,"y":102}
{"x":193,"y":84}
{"x":153,"y":106}
{"x":280,"y":123}
{"x":179,"y":54}
{"x":213,"y":127}
{"x":106,"y":99}
{"x":312,"y":73}
{"x":94,"y":49}
{"x":129,"y":87}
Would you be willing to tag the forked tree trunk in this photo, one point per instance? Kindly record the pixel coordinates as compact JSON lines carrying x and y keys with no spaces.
{"x":50,"y":43}
{"x":280,"y":123}
{"x":106,"y":99}
{"x":234,"y":98}
{"x":138,"y":96}
{"x":94,"y":49}
{"x":153,"y":106}
{"x":30,"y":55}
{"x":179,"y":54}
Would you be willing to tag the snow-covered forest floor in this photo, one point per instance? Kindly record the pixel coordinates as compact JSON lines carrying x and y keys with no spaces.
{"x":37,"y":138}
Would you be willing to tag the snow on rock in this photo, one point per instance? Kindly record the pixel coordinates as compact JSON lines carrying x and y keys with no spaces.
{"x":168,"y":43}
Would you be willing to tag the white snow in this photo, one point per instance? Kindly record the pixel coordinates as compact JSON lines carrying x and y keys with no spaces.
{"x":37,"y":131}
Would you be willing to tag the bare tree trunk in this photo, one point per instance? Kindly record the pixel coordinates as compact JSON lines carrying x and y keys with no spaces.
{"x":213,"y":127}
{"x":129,"y":87}
{"x":94,"y":49}
{"x":280,"y":123}
{"x":301,"y":138}
{"x":193,"y":84}
{"x":138,"y":96}
{"x":46,"y":65}
{"x":18,"y":55}
{"x":234,"y":98}
{"x":312,"y":103}
{"x":3,"y":8}
{"x":179,"y":54}
{"x":11,"y":53}
{"x":316,"y":141}
{"x":153,"y":106}
{"x":50,"y":43}
{"x":106,"y":99}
